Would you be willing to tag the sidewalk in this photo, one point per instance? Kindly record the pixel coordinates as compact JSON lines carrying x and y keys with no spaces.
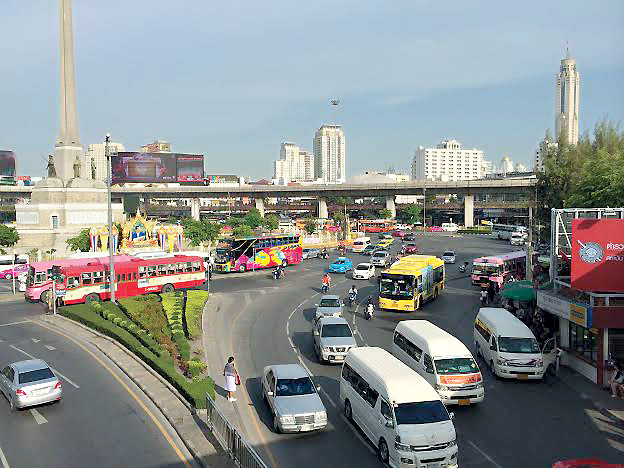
{"x":588,"y":390}
{"x":190,"y":426}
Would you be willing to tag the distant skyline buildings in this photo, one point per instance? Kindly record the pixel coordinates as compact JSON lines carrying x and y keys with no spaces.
{"x":447,"y":162}
{"x":330,"y":154}
{"x":96,"y":156}
{"x":567,"y":87}
{"x":157,"y":146}
{"x":294,"y":165}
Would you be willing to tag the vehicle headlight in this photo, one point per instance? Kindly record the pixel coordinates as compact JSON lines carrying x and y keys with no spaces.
{"x":320,"y":415}
{"x":441,"y":387}
{"x":326,"y":349}
{"x":287,"y":419}
{"x":501,"y":362}
{"x":399,"y":446}
{"x":452,"y":443}
{"x":540,"y":363}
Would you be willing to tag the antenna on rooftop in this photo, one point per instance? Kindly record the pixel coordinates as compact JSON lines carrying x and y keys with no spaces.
{"x":334,"y":103}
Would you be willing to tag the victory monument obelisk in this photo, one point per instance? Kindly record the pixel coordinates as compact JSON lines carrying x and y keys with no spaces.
{"x":68,"y":147}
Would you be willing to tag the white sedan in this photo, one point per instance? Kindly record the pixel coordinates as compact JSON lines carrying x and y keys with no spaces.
{"x":364,"y":271}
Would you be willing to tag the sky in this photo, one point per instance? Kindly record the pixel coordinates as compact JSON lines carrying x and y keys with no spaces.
{"x":232,"y":80}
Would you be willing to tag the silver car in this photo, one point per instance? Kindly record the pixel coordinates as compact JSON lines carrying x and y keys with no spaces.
{"x":380,"y":258}
{"x":310,"y":253}
{"x":329,"y":306}
{"x":292,"y":399}
{"x":333,"y":339}
{"x":29,"y":383}
{"x":448,"y":256}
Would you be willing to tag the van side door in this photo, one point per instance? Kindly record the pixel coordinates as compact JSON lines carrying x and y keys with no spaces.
{"x":387,"y":426}
{"x":550,"y":353}
{"x":429,"y":373}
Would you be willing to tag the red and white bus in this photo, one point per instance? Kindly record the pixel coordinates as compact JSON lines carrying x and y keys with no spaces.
{"x":498,"y":268}
{"x":377,"y":225}
{"x":88,"y":279}
{"x":253,"y":253}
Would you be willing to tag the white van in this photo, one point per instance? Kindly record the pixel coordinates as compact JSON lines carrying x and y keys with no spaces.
{"x":397,"y":409}
{"x":509,"y":347}
{"x":451,"y":227}
{"x":518,"y":238}
{"x":441,"y":359}
{"x":361,"y":243}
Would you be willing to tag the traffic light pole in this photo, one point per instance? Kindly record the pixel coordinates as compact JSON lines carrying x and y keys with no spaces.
{"x":54,"y":296}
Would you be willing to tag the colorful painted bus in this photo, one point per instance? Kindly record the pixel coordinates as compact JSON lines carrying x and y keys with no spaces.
{"x":377,"y":225}
{"x":410,"y":282}
{"x":253,"y":253}
{"x":88,"y":280}
{"x":498,"y":268}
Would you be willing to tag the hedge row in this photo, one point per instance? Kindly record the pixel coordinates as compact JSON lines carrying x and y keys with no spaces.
{"x":173,"y":305}
{"x":475,"y":230}
{"x":193,"y":391}
{"x":146,"y":312}
{"x":195,"y":301}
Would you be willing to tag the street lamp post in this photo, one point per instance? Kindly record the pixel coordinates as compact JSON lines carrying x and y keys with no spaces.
{"x":424,"y":209}
{"x":110,"y":217}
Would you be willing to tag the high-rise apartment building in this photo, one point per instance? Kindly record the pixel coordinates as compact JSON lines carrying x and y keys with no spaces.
{"x":158,"y":146}
{"x":447,"y":162}
{"x":545,"y":147}
{"x":330,"y":154}
{"x":567,"y":100}
{"x":96,"y":156}
{"x":487,"y":168}
{"x":506,"y":165}
{"x":294,"y":165}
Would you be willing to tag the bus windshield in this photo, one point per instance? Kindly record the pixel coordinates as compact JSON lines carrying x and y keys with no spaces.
{"x":486,"y":269}
{"x":397,"y":287}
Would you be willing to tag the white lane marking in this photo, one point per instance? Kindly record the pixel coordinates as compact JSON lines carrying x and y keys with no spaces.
{"x":38,"y":417}
{"x":485,"y":455}
{"x":14,"y":323}
{"x":53,"y":370}
{"x":333,"y":403}
{"x":51,"y":348}
{"x":35,"y":340}
{"x":1,"y":341}
{"x":5,"y":463}
{"x":357,"y":434}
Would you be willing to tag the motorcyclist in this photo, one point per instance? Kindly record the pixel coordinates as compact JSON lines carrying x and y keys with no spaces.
{"x":324,"y":252}
{"x":484,"y":296}
{"x":370,"y":308}
{"x":326,"y":282}
{"x":352,"y":293}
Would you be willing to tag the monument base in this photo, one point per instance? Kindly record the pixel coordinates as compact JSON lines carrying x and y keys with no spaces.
{"x":64,"y":158}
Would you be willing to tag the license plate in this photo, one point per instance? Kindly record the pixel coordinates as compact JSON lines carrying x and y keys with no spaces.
{"x":433,"y":465}
{"x":307,"y":427}
{"x":523,"y":376}
{"x":338,"y":358}
{"x":40,"y":391}
{"x":464,"y":402}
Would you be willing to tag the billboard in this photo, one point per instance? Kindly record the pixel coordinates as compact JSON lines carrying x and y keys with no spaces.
{"x":157,"y":167}
{"x":7,"y":165}
{"x":598,"y":255}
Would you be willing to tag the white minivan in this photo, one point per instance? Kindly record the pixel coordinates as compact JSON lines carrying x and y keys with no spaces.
{"x":450,"y":227}
{"x":397,"y":409}
{"x":441,"y":359}
{"x":509,"y":347}
{"x":361,"y":243}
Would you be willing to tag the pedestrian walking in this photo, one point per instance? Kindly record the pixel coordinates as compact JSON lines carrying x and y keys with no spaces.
{"x":617,"y":381}
{"x":231,"y":378}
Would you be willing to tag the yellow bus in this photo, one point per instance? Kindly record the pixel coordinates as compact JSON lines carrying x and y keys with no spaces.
{"x":410,"y":282}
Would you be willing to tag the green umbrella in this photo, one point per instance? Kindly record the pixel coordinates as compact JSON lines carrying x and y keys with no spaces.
{"x":518,"y":292}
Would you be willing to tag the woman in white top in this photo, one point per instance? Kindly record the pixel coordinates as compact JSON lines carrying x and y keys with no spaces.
{"x":230,"y":378}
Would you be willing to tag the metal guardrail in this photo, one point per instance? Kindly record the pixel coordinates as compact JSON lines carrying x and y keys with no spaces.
{"x":232,"y":442}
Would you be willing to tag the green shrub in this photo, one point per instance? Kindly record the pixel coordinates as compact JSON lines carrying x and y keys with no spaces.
{"x":195,"y":301}
{"x":111,"y":316}
{"x":147,"y":313}
{"x":194,"y":391}
{"x":116,"y":320}
{"x":124,"y":324}
{"x":132,"y":328}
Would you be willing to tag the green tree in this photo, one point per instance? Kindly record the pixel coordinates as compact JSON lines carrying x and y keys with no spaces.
{"x":410,"y":214}
{"x":80,"y":243}
{"x":253,"y":219}
{"x":233,"y":221}
{"x":310,"y":226}
{"x":242,"y":231}
{"x":8,"y":236}
{"x":198,"y":232}
{"x":338,"y":216}
{"x":384,"y":213}
{"x":271,"y":222}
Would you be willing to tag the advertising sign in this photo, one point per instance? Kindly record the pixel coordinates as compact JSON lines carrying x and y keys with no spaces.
{"x":577,"y":313}
{"x":7,"y":165}
{"x":598,"y":255}
{"x":143,"y":167}
{"x":190,"y":168}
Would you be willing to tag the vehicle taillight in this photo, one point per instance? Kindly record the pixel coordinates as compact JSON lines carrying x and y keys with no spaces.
{"x":58,"y":385}
{"x":20,"y":392}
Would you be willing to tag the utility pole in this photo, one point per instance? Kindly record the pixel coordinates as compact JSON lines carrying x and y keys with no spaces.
{"x":424,"y":209}
{"x":109,"y":177}
{"x":529,"y":263}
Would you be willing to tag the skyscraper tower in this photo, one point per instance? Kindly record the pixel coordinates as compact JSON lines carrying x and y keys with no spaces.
{"x":67,"y":147}
{"x":330,"y":154}
{"x":567,"y":100}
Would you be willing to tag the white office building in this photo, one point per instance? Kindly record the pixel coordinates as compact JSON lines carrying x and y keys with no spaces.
{"x":447,"y":162}
{"x":544,"y":148}
{"x":96,"y":156}
{"x":567,"y":100}
{"x":330,"y":154}
{"x":506,"y":166}
{"x":487,"y":168}
{"x":294,"y":165}
{"x":519,"y":167}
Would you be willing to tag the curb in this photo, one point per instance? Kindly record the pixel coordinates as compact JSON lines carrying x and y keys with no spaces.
{"x":193,"y":412}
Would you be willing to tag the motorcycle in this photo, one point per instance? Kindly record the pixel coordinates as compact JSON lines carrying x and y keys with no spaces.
{"x":462,"y":268}
{"x":352,"y":297}
{"x":370,"y":310}
{"x":324,"y":288}
{"x":484,"y":299}
{"x":324,"y":255}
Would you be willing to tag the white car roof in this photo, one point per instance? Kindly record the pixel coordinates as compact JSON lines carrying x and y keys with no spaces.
{"x":403,"y":384}
{"x":440,"y":342}
{"x":366,"y":265}
{"x":506,"y":323}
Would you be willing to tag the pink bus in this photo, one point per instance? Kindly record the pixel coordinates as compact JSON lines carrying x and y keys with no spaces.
{"x":11,"y":266}
{"x":497,"y":268}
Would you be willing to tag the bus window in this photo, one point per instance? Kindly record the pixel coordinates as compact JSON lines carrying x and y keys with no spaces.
{"x":180,"y":267}
{"x":98,"y":277}
{"x":187,"y":267}
{"x":134,"y":276}
{"x":142,"y":272}
{"x":438,"y":274}
{"x":171,"y":269}
{"x":40,"y":277}
{"x":118,"y":277}
{"x":162,"y":270}
{"x":151,"y":271}
{"x":73,"y":282}
{"x":420,"y":284}
{"x":86,"y":278}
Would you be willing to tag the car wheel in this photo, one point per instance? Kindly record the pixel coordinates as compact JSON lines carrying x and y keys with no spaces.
{"x":384,"y":455}
{"x":347,"y":410}
{"x":167,"y":288}
{"x":493,"y":369}
{"x":242,"y":268}
{"x":11,"y":404}
{"x":92,"y":298}
{"x":276,"y":427}
{"x":8,"y":276}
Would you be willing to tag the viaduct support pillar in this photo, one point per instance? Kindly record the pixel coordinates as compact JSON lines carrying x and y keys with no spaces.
{"x":260,"y":205}
{"x":322,"y":208}
{"x":391,"y":206}
{"x":469,"y":211}
{"x":195,"y":208}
